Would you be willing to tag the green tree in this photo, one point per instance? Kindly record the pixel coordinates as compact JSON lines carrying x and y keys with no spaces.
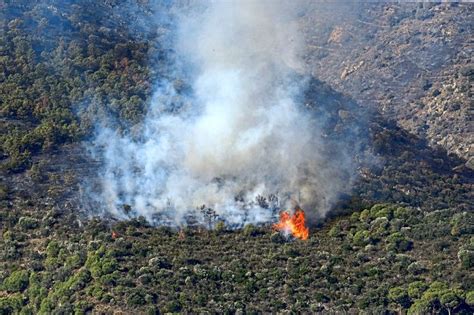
{"x":416,"y":289}
{"x":450,"y":299}
{"x":17,"y":281}
{"x":399,"y":296}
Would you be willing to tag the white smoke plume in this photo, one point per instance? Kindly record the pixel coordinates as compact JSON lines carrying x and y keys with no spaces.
{"x":242,"y":132}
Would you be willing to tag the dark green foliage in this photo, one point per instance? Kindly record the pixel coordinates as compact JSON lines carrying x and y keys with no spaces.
{"x":398,"y":242}
{"x":470,"y":298}
{"x":16,"y":282}
{"x":55,"y":87}
{"x":164,"y":270}
{"x":399,"y":296}
{"x":3,"y":192}
{"x":362,"y":238}
{"x":416,"y":289}
{"x":250,"y":230}
{"x":47,"y":80}
{"x":466,"y":258}
{"x":11,"y":304}
{"x":136,"y":298}
{"x":173,"y":306}
{"x":28,"y":223}
{"x":462,"y":223}
{"x":451,"y":299}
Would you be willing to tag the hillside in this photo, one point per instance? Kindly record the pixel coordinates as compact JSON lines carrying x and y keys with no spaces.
{"x":391,"y":86}
{"x":413,"y":62}
{"x":384,"y":258}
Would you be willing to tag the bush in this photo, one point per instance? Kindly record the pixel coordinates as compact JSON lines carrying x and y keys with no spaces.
{"x":416,"y":268}
{"x":401,"y":213}
{"x":365,"y":215}
{"x":466,"y":258}
{"x":11,"y":304}
{"x":27,"y":223}
{"x":462,"y":223}
{"x":52,"y":249}
{"x":334,"y":231}
{"x":250,"y":230}
{"x":99,"y":264}
{"x":398,"y":242}
{"x":399,"y":296}
{"x":450,"y":299}
{"x":384,"y":213}
{"x":136,"y":297}
{"x":416,"y":289}
{"x":173,"y":306}
{"x":419,"y":307}
{"x":470,"y":298}
{"x":17,"y":281}
{"x":361,"y":238}
{"x":276,"y":237}
{"x":434,"y":291}
{"x":220,"y":227}
{"x":3,"y":192}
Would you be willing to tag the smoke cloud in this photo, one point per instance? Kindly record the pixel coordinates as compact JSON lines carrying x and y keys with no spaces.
{"x":241,"y":132}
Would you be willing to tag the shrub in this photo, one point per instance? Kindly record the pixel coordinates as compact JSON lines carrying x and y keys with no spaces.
{"x":17,"y":281}
{"x":334,"y":231}
{"x":173,"y":306}
{"x":220,"y":227}
{"x":419,"y":307}
{"x":74,"y":261}
{"x":96,"y":291}
{"x":276,"y":237}
{"x":11,"y":304}
{"x":398,"y":242}
{"x":355,"y":217}
{"x":416,"y":289}
{"x":136,"y":297}
{"x":399,"y":296}
{"x":365,"y":215}
{"x":401,"y":213}
{"x":361,"y":238}
{"x":3,"y":192}
{"x":82,"y":307}
{"x":466,"y":258}
{"x":470,"y":298}
{"x":52,"y":249}
{"x":462,"y":223}
{"x":379,"y":226}
{"x":250,"y":230}
{"x":384,"y":213}
{"x":434,"y":291}
{"x":27,"y":223}
{"x":450,"y":299}
{"x":99,"y":264}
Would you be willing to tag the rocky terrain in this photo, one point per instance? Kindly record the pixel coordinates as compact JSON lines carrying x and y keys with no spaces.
{"x":412,"y":62}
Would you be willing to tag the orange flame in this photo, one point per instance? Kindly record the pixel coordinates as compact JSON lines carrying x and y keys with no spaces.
{"x":293,"y":223}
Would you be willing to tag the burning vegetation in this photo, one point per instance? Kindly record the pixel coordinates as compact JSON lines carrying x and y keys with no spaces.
{"x":293,"y":223}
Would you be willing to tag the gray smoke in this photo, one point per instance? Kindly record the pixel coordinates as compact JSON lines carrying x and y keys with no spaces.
{"x":242,"y":132}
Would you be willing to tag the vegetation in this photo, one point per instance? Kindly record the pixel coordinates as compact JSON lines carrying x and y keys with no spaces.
{"x":402,"y":242}
{"x":64,"y":267}
{"x":54,"y":84}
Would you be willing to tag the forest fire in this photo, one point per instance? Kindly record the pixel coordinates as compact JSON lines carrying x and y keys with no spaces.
{"x":293,"y":223}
